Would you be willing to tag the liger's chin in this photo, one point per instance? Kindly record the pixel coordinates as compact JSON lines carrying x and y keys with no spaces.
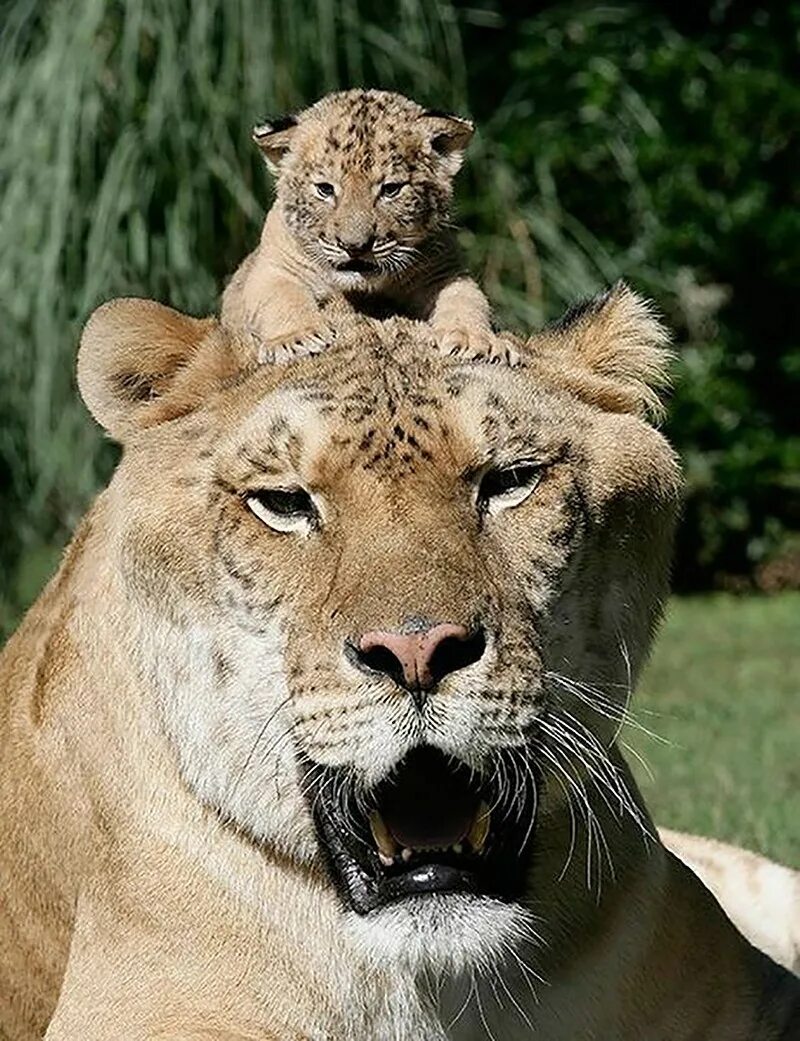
{"x":444,"y":934}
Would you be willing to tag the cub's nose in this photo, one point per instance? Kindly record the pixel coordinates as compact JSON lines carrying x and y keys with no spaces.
{"x":418,"y":658}
{"x":356,"y":245}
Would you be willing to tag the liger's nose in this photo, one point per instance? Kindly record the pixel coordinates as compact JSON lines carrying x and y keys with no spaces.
{"x":356,"y":245}
{"x":418,"y":660}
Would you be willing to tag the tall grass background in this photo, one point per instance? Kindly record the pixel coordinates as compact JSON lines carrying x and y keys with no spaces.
{"x":126,"y":168}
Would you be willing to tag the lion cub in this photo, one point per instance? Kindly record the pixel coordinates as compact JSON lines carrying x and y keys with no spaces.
{"x":364,"y":184}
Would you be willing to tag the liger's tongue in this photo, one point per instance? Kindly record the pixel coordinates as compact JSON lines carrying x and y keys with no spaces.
{"x":428,"y":805}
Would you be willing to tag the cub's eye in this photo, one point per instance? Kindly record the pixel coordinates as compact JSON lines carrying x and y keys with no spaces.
{"x":324,"y":190}
{"x":284,"y":509}
{"x":508,"y":486}
{"x":391,"y":189}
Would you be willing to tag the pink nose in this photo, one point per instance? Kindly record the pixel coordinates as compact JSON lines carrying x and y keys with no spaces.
{"x":418,"y":660}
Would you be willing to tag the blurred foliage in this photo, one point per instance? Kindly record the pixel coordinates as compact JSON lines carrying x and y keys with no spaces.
{"x":127,"y":169}
{"x":614,"y":142}
{"x":671,"y":158}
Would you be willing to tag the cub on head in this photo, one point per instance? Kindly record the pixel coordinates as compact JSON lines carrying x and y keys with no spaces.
{"x":364,"y":173}
{"x":364,"y":185}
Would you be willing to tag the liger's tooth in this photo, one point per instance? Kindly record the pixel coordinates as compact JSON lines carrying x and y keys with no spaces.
{"x":406,"y":853}
{"x":386,"y":861}
{"x":387,"y":847}
{"x":458,"y":848}
{"x":479,"y":830}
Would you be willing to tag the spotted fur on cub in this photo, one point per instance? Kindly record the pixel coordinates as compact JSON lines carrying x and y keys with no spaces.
{"x":364,"y":185}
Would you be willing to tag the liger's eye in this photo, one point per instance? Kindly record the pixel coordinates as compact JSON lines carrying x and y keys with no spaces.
{"x":508,"y":486}
{"x":324,"y":190}
{"x":391,"y":189}
{"x":284,"y":509}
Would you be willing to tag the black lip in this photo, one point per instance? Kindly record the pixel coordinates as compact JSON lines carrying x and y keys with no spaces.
{"x":429,"y":878}
{"x":364,"y":884}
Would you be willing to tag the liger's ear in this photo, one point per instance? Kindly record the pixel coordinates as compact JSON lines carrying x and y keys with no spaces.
{"x":274,"y":138}
{"x":611,"y":350}
{"x":449,"y":136}
{"x":141,"y":363}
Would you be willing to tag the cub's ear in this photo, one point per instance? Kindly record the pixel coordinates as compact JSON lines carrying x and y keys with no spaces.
{"x":449,"y":136}
{"x":274,"y":138}
{"x":611,"y":351}
{"x":141,"y":363}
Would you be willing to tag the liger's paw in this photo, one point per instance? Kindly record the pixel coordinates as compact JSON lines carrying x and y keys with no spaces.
{"x":478,"y":345}
{"x":291,"y":345}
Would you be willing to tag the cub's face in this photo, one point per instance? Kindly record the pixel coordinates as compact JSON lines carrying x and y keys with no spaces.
{"x":367,"y":585}
{"x":364,"y":181}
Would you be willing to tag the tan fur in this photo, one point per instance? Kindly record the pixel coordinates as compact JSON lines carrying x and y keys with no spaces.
{"x":356,"y":141}
{"x":760,"y":897}
{"x":160,"y":876}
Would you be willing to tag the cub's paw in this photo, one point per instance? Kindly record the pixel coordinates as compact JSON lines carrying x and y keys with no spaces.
{"x":479,"y":345}
{"x":291,"y":345}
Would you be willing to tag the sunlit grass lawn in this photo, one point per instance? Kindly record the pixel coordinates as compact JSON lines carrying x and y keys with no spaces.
{"x":724,"y":684}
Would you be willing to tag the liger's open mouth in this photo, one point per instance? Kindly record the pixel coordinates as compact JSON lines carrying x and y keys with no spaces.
{"x":434,"y":826}
{"x":359,"y":265}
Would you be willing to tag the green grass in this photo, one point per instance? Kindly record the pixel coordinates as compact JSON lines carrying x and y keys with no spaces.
{"x":723,"y":687}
